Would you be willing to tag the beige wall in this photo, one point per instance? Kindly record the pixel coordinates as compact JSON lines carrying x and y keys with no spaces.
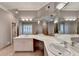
{"x":45,"y":11}
{"x":5,"y":28}
{"x":69,"y":13}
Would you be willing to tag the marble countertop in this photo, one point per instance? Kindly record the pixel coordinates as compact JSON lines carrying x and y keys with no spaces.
{"x":51,"y":39}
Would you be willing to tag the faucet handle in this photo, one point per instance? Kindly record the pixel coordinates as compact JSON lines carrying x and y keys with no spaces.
{"x":65,"y":44}
{"x":73,"y":43}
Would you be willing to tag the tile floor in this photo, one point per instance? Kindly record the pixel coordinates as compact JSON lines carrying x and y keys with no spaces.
{"x":8,"y":51}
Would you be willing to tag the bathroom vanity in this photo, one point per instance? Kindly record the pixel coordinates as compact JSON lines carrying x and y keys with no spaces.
{"x":23,"y":43}
{"x":51,"y":44}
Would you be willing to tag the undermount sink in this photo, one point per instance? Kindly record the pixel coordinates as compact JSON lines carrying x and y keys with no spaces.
{"x":59,"y":50}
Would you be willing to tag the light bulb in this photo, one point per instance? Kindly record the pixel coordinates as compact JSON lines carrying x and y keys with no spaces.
{"x":30,"y":19}
{"x":23,"y":19}
{"x":26,"y":19}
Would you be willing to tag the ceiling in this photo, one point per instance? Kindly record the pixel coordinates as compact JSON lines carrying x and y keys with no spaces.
{"x":23,"y":5}
{"x":72,"y":6}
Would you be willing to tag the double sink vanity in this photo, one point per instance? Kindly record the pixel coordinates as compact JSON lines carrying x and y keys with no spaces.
{"x":57,"y":45}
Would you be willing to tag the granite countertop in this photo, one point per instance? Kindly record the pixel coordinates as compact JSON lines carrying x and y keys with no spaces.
{"x":47,"y":40}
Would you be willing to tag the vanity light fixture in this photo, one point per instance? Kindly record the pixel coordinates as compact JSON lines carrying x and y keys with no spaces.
{"x":26,"y":19}
{"x":30,"y":19}
{"x":66,"y":19}
{"x":71,"y":19}
{"x":23,"y":19}
{"x":74,"y":19}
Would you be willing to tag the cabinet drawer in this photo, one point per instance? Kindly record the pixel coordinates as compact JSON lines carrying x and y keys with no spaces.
{"x":23,"y":44}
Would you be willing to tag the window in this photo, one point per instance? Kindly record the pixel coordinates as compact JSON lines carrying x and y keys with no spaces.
{"x":27,"y":29}
{"x":61,"y":28}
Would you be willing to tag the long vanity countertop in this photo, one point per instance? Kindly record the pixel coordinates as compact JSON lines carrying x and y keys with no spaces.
{"x":46,"y":39}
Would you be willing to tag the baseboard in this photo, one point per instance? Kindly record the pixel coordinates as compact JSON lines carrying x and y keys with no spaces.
{"x":8,"y":44}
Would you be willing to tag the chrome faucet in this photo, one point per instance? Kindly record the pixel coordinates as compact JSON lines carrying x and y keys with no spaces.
{"x":73,"y":43}
{"x":64,"y":43}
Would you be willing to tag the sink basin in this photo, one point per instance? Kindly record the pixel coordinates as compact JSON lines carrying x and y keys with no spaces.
{"x":58,"y":50}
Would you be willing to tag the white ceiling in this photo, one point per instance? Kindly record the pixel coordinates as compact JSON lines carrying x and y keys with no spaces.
{"x":23,"y":5}
{"x":72,"y":6}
